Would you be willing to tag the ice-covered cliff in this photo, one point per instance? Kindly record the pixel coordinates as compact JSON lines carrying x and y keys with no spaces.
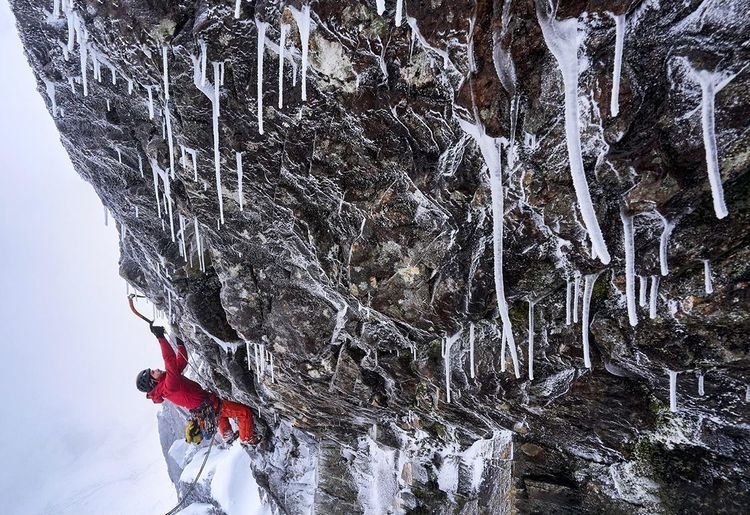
{"x":460,"y":256}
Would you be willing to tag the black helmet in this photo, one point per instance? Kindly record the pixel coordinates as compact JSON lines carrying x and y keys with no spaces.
{"x":145,"y":382}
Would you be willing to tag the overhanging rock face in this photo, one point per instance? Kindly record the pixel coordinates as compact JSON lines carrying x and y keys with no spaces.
{"x":442,"y":191}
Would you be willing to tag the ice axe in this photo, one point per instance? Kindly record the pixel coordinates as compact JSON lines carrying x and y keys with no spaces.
{"x":132,"y":308}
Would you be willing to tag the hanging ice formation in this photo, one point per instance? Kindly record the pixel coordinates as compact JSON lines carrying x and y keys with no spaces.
{"x":237,"y":9}
{"x":701,"y":390}
{"x":627,"y":225}
{"x":140,"y":165}
{"x":663,"y":244}
{"x":159,"y":173}
{"x":708,"y":89}
{"x":568,"y":300}
{"x":653,"y":296}
{"x":576,"y":290}
{"x":531,"y":339}
{"x":50,"y":88}
{"x":471,"y":349}
{"x":672,"y":391}
{"x":283,"y":30}
{"x":707,"y":280}
{"x":199,"y":246}
{"x":588,"y":287}
{"x":107,"y":105}
{"x":448,"y":343}
{"x":212,"y":93}
{"x":614,"y":105}
{"x":642,"y":292}
{"x":119,"y":155}
{"x":166,"y":72}
{"x":562,"y":39}
{"x":150,"y":103}
{"x":261,"y":26}
{"x":239,"y":178}
{"x":170,"y":142}
{"x":412,"y":22}
{"x":399,"y":12}
{"x":303,"y":25}
{"x":490,"y":148}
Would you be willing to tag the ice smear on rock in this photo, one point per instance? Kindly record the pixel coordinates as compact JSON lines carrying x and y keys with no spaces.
{"x":562,"y":39}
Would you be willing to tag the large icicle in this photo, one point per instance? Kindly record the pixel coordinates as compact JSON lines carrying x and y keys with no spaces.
{"x":576,"y":295}
{"x":283,"y":30}
{"x":562,"y":39}
{"x":614,"y":105}
{"x":490,"y":148}
{"x":166,"y":72}
{"x":471,"y":349}
{"x":380,"y":5}
{"x":237,"y":9}
{"x":217,"y":155}
{"x":642,"y":293}
{"x":672,"y":391}
{"x":708,"y":89}
{"x":303,"y":25}
{"x":707,"y":280}
{"x":653,"y":296}
{"x":239,"y":179}
{"x":399,"y":12}
{"x":448,"y":343}
{"x":627,"y":225}
{"x":588,"y":287}
{"x":261,"y":26}
{"x":663,"y":244}
{"x":531,"y":339}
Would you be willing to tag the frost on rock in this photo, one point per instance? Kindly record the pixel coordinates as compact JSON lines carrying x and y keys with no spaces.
{"x":562,"y":39}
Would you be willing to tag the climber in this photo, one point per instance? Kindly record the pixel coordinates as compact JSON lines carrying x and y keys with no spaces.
{"x":173,"y":386}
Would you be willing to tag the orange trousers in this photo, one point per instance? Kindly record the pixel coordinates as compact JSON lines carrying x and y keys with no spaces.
{"x":241,"y":414}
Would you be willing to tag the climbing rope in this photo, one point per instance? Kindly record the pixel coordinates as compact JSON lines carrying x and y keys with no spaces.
{"x":195,"y":481}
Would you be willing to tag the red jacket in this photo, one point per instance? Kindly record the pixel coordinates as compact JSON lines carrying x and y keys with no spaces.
{"x":173,"y":386}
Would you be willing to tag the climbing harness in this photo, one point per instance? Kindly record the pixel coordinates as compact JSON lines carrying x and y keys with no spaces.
{"x":205,"y":416}
{"x":195,"y":481}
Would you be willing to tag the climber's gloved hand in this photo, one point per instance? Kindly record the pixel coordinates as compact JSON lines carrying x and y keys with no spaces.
{"x":179,"y":341}
{"x":157,"y":331}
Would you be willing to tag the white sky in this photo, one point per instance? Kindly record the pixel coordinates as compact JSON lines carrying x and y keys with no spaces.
{"x":78,"y":437}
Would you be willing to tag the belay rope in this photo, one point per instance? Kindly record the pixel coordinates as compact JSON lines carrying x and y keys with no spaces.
{"x":195,"y":481}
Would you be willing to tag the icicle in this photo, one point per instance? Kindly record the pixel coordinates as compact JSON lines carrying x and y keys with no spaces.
{"x":130,"y":86}
{"x":221,"y":73}
{"x":114,"y":74}
{"x":447,"y":344}
{"x":627,"y":225}
{"x":707,"y":280}
{"x":261,"y":26}
{"x":663,"y":243}
{"x":644,"y":286}
{"x":531,"y":340}
{"x":237,"y":9}
{"x":380,"y":5}
{"x":150,"y":103}
{"x":83,"y":50}
{"x":119,"y":155}
{"x":273,"y":376}
{"x":490,"y":148}
{"x":471,"y":348}
{"x":108,"y":106}
{"x":588,"y":287}
{"x":653,"y":296}
{"x":747,"y":393}
{"x":72,"y":83}
{"x":140,"y":164}
{"x":156,"y":190}
{"x":217,"y":156}
{"x":239,"y":179}
{"x":414,"y":352}
{"x":203,"y":62}
{"x":701,"y":390}
{"x":136,"y":212}
{"x":672,"y":391}
{"x":614,"y":106}
{"x":166,"y":72}
{"x":50,"y":87}
{"x":568,"y":299}
{"x":55,"y":9}
{"x":303,"y":25}
{"x":576,"y":290}
{"x":562,"y":39}
{"x":708,"y":87}
{"x":282,"y":43}
{"x":399,"y":12}
{"x":170,"y":142}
